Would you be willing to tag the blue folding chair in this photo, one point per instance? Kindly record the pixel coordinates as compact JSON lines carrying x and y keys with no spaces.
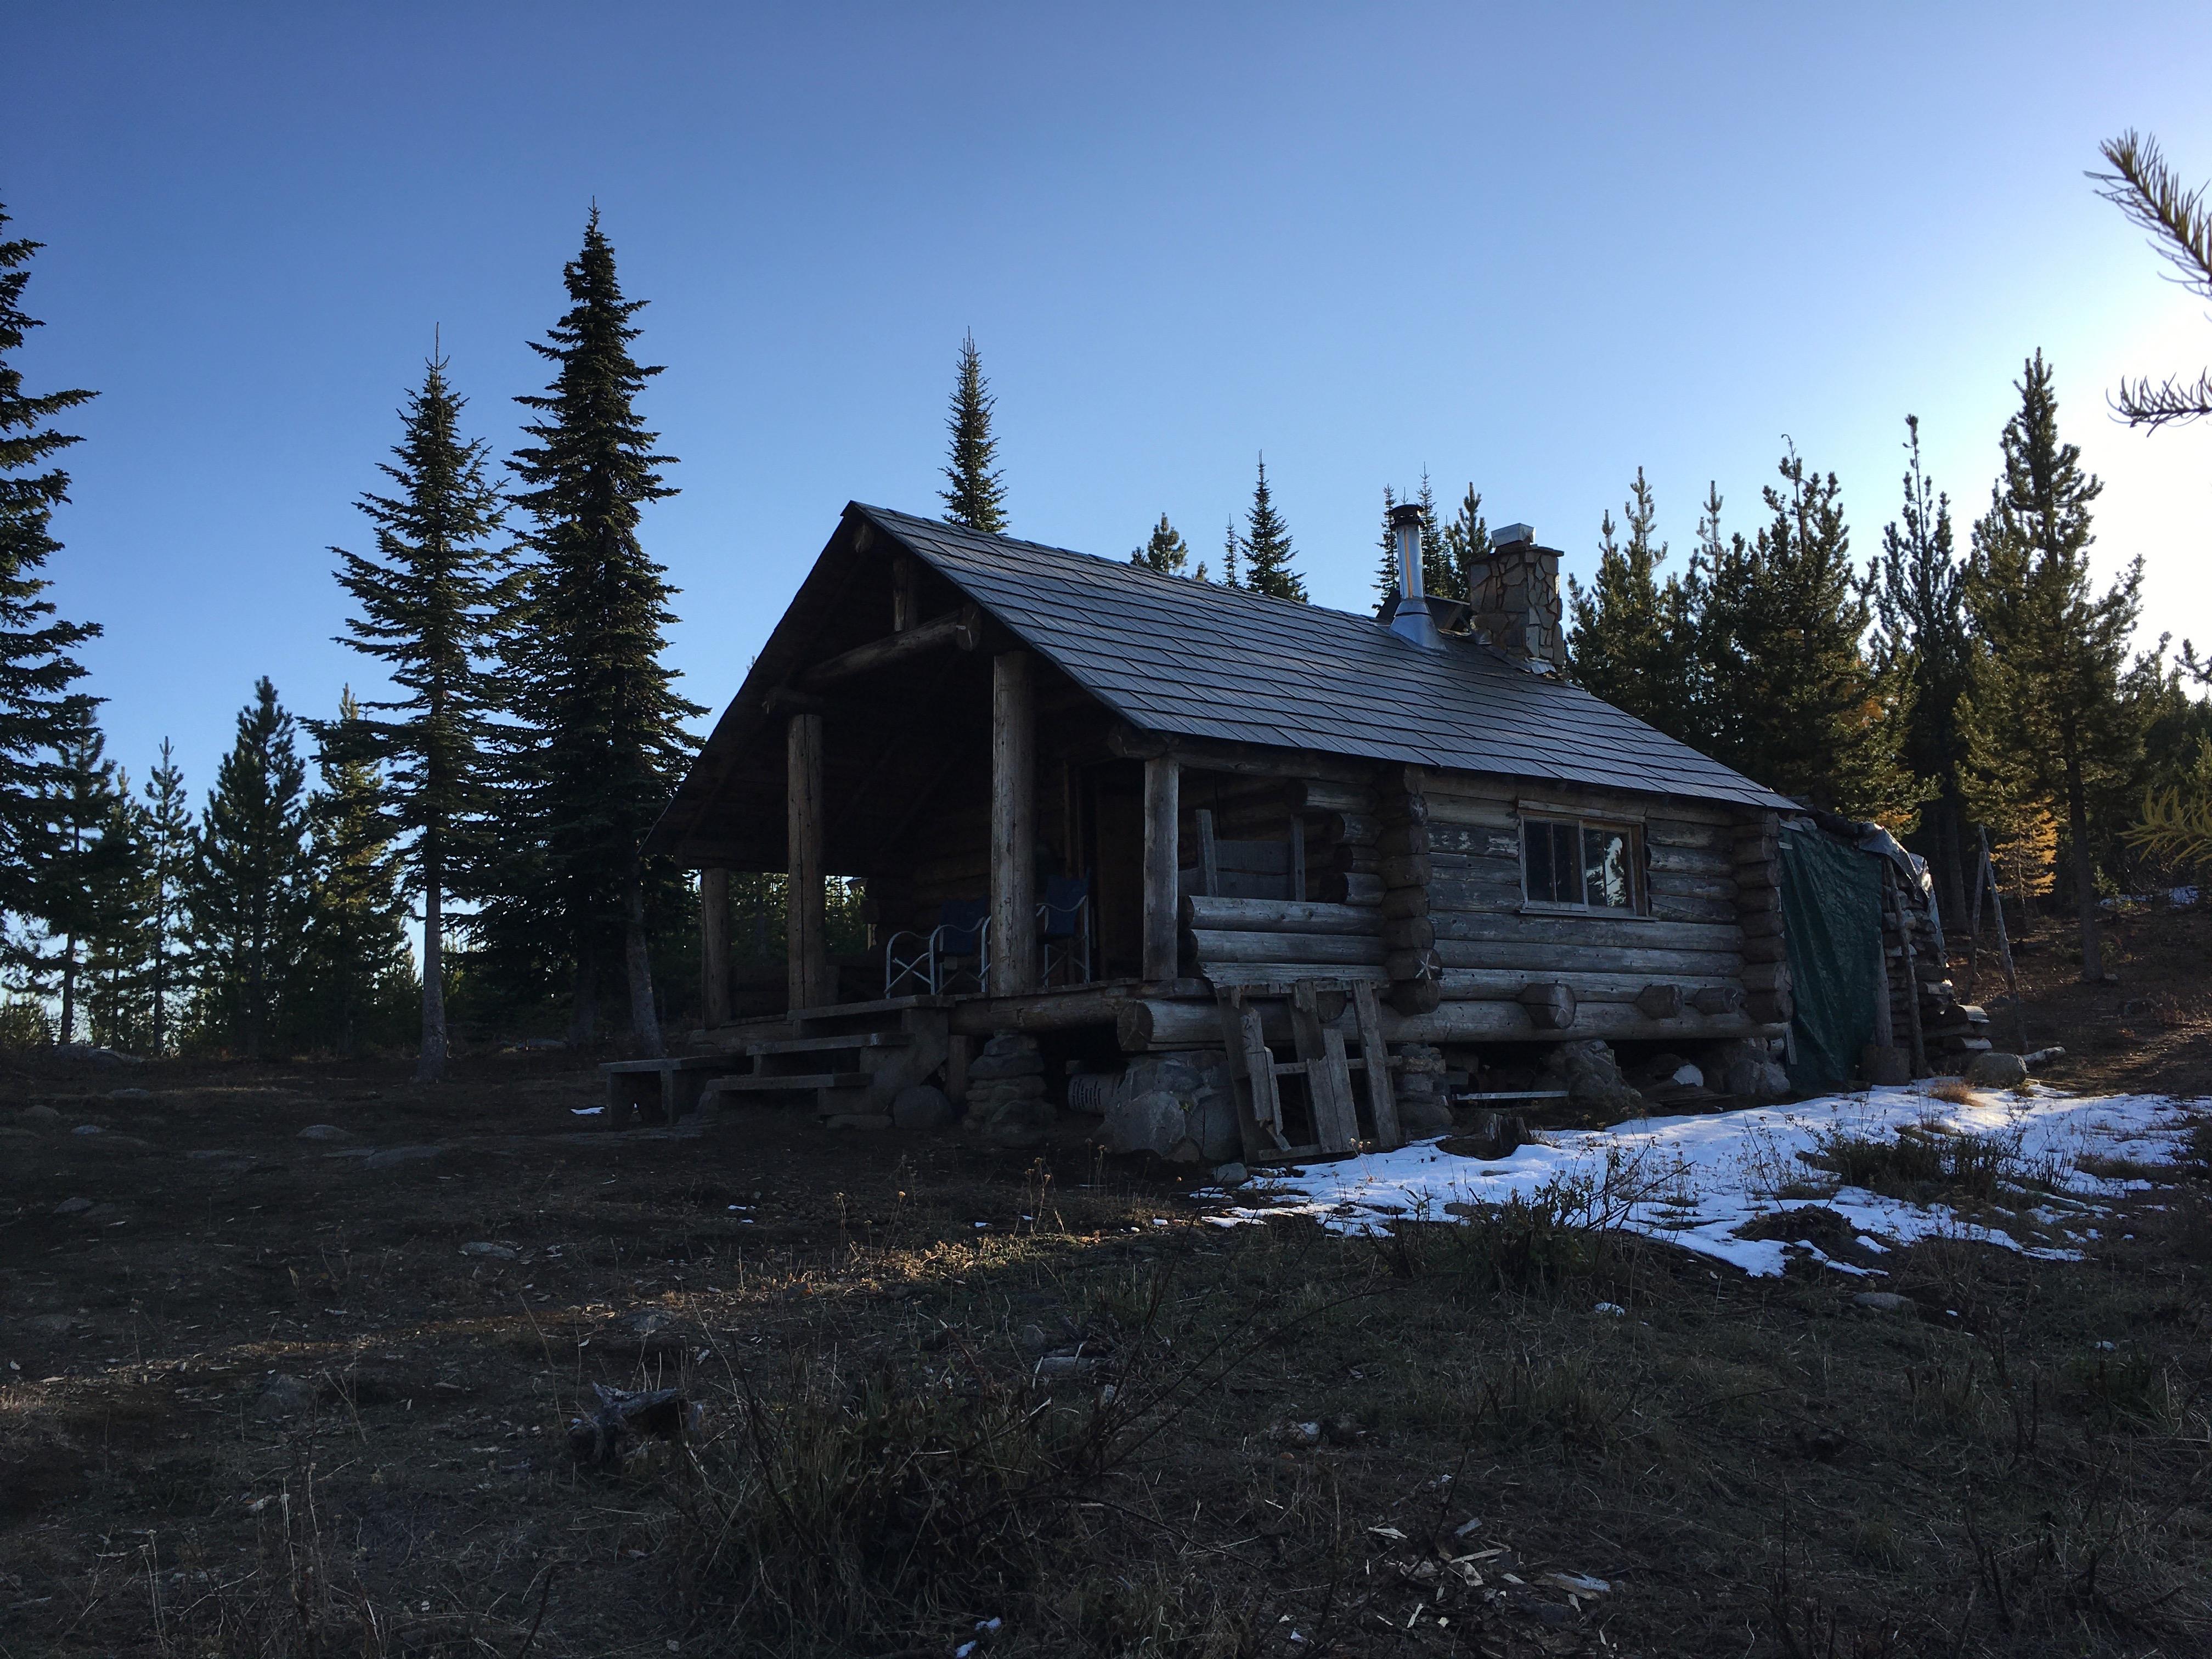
{"x":1064,"y":924}
{"x":958,"y":948}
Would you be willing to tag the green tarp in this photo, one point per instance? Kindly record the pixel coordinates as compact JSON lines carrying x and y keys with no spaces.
{"x":1832,"y":918}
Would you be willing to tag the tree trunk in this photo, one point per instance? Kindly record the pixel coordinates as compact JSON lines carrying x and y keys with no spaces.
{"x":69,"y":988}
{"x":584,"y":1011}
{"x":1952,"y":837}
{"x":430,"y":1062}
{"x":644,"y":1020}
{"x":2085,"y":880}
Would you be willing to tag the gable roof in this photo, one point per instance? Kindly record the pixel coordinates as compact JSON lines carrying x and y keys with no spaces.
{"x":1190,"y":658}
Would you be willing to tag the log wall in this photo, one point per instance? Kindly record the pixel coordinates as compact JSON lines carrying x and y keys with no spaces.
{"x":1703,"y":959}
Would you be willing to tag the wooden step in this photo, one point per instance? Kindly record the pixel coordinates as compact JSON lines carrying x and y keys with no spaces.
{"x":801,"y":1083}
{"x":823,"y":1044}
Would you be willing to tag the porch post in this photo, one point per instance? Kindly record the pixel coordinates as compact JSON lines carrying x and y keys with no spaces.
{"x":713,"y":948}
{"x":807,"y":953}
{"x":1162,"y":807}
{"x":1013,"y":834}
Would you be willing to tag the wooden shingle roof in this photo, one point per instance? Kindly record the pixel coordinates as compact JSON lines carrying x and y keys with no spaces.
{"x":1189,"y":658}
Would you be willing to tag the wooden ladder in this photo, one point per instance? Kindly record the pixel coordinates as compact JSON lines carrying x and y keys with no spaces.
{"x":1322,"y":1061}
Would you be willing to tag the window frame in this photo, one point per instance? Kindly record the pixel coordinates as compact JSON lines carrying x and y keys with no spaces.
{"x":1638,"y":908}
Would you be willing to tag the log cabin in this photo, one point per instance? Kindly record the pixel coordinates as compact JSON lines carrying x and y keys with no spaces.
{"x":1130,"y":814}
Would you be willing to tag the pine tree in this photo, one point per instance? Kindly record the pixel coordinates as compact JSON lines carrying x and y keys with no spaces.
{"x":249,"y":891}
{"x":1925,"y":636}
{"x":165,"y":829}
{"x":2052,"y":706}
{"x":1166,"y":552}
{"x":356,"y":946}
{"x":1440,"y":576}
{"x":1267,"y":550}
{"x":978,"y":498}
{"x":1229,"y":546}
{"x":77,"y":883}
{"x":1630,"y":639}
{"x":602,"y":741}
{"x":38,"y":711}
{"x":117,"y":998}
{"x":1386,"y":574}
{"x":1791,"y":698}
{"x":435,"y":603}
{"x":1466,"y":543}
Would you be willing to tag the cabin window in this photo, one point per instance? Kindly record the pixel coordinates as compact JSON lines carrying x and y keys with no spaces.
{"x":1572,"y":864}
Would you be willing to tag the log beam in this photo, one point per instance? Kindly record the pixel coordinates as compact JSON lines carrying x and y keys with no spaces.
{"x":808,"y":975}
{"x":1014,"y":818}
{"x":714,"y":948}
{"x":963,"y":628}
{"x":1163,"y":812}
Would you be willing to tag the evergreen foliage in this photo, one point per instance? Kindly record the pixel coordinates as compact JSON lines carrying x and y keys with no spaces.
{"x":355,"y":972}
{"x":1631,"y":639}
{"x":1924,"y":638}
{"x":78,"y":888}
{"x":1466,"y":544}
{"x":1791,"y":697}
{"x":41,"y":713}
{"x":599,"y":740}
{"x":435,"y":607}
{"x":1440,"y":574}
{"x":2179,"y":224}
{"x":2054,"y":717}
{"x":169,"y":851}
{"x":250,"y":891}
{"x":976,"y":497}
{"x":1386,"y":574}
{"x":1266,"y":547}
{"x":1230,"y":548}
{"x":1166,"y":552}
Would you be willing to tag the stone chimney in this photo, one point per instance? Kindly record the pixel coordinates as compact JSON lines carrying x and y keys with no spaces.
{"x":1516,"y":598}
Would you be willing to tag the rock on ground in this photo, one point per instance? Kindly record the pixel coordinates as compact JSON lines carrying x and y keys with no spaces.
{"x":1745,"y":1068}
{"x":1996,"y":1070}
{"x":1007,"y":1108}
{"x":1591,"y":1076}
{"x":921,"y":1106}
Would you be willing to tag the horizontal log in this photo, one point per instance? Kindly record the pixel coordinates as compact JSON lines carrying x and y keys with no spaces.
{"x":1766,"y":977}
{"x":1749,"y":901}
{"x":1349,"y":859}
{"x":1401,"y":904}
{"x":1551,"y":1004}
{"x":1588,"y":958}
{"x":1774,"y":949}
{"x":1251,"y":975}
{"x":1052,"y":1012}
{"x":1150,"y":1023}
{"x":1760,"y":924}
{"x":1399,"y":838}
{"x":1276,"y":916}
{"x":1681,"y":833}
{"x":1356,"y":887}
{"x":1691,"y":861}
{"x":1360,"y":829}
{"x":1321,"y":795}
{"x":1477,"y":868}
{"x":1481,"y":842}
{"x":1759,"y":872}
{"x":962,"y":627}
{"x":1669,"y":885}
{"x":1408,"y":933}
{"x":1628,"y":933}
{"x":1670,"y":906}
{"x":1474,"y":898}
{"x":1212,"y":946}
{"x":1476,"y":814}
{"x":1244,"y":760}
{"x":1509,"y":983}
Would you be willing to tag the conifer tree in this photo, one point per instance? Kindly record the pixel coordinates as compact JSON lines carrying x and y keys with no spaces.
{"x":40,"y":712}
{"x":2052,"y":706}
{"x":1229,"y":551}
{"x":1388,"y":577}
{"x":601,"y":732}
{"x":977,"y":497}
{"x":1466,"y":543}
{"x":1166,"y":552}
{"x":249,"y":892}
{"x":434,"y":606}
{"x":356,"y":948}
{"x":90,"y":860}
{"x":1440,"y":575}
{"x":1630,"y":638}
{"x":1791,"y":697}
{"x":1267,"y":550}
{"x":116,"y":995}
{"x":165,"y":831}
{"x":1924,"y":636}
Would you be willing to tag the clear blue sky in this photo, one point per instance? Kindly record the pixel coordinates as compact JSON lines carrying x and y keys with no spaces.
{"x":1530,"y":247}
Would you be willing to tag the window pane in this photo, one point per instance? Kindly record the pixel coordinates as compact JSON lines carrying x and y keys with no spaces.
{"x":1606,"y":880}
{"x":1536,"y":861}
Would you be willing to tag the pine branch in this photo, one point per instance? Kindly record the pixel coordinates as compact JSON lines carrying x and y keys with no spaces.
{"x":2145,"y":188}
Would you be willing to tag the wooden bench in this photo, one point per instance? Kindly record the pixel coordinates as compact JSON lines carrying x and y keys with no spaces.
{"x":670,"y":1088}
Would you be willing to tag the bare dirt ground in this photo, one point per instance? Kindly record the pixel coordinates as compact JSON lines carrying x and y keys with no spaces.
{"x":261,"y":1396}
